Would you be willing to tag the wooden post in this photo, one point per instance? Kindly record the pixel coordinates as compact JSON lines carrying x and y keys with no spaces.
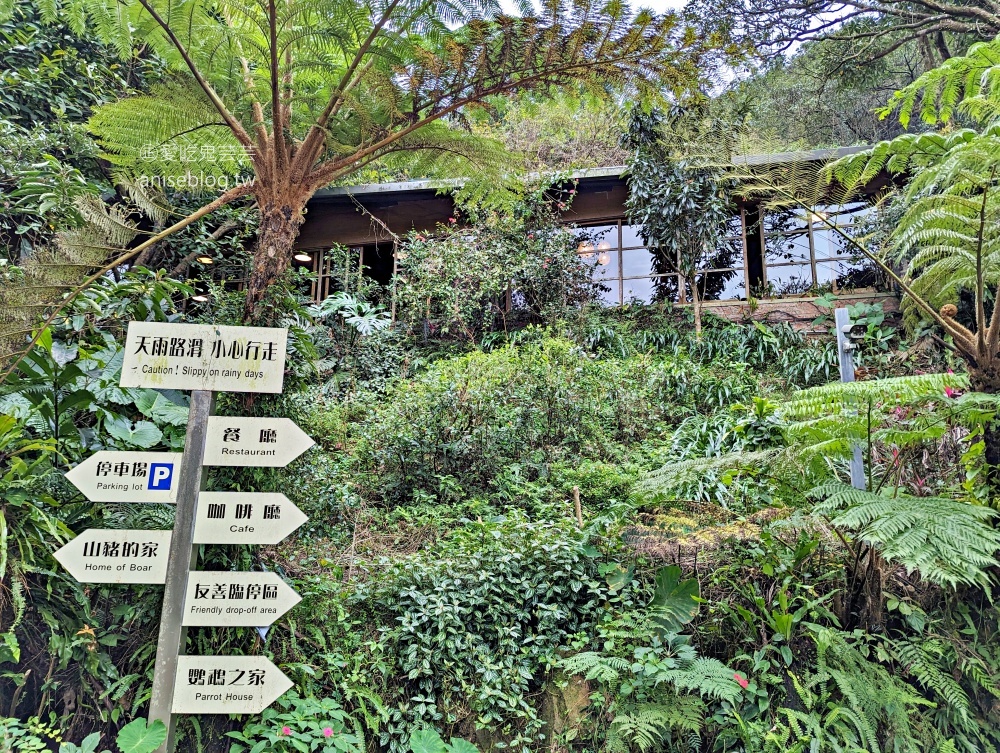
{"x":577,"y":507}
{"x":181,"y":560}
{"x":845,"y":353}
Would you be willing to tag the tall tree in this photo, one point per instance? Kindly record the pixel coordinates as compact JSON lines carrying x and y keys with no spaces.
{"x":865,"y":30}
{"x":680,"y":202}
{"x":301,"y":93}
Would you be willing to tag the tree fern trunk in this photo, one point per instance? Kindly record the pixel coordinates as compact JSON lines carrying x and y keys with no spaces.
{"x":279,"y":227}
{"x":985,"y":377}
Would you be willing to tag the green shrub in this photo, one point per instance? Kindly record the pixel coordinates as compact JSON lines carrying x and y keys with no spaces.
{"x":448,"y":432}
{"x":300,"y":725}
{"x":476,"y":620}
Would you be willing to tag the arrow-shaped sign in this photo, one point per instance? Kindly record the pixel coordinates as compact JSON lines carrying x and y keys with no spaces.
{"x":114,"y":556}
{"x":245,"y":518}
{"x":236,"y":599}
{"x":110,"y":476}
{"x":254,"y":442}
{"x":226,"y":685}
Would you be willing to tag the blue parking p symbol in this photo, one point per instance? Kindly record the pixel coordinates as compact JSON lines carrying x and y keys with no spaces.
{"x":161,"y":475}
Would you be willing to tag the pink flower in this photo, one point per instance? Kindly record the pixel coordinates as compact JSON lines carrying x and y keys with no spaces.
{"x":949,"y":392}
{"x":741,"y":680}
{"x":327,"y":732}
{"x":452,"y":219}
{"x":286,"y":730}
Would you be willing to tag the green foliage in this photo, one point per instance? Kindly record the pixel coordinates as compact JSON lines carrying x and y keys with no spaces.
{"x":134,"y":737}
{"x":137,"y":737}
{"x":300,"y":725}
{"x":652,"y":681}
{"x":682,"y":206}
{"x":473,"y":621}
{"x":674,"y":602}
{"x":27,"y":526}
{"x":556,"y":131}
{"x":67,"y":387}
{"x":457,"y":425}
{"x":455,"y":281}
{"x":947,"y":541}
{"x":429,"y":741}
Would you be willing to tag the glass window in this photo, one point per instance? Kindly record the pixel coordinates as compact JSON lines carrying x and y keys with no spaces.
{"x":665,"y":288}
{"x":787,"y":248}
{"x":849,"y":274}
{"x":630,"y":236}
{"x":783,"y":222}
{"x":789,"y":279}
{"x":642,"y":289}
{"x":602,"y":233}
{"x":734,"y":227}
{"x":729,"y":254}
{"x":610,"y":294}
{"x":604,"y":264}
{"x":724,"y":285}
{"x":637,"y":262}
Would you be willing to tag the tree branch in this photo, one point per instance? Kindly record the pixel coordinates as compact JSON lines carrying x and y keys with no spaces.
{"x":234,"y":125}
{"x":231,"y":195}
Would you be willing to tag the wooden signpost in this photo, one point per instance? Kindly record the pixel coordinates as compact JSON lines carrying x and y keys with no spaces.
{"x":205,"y":359}
{"x":227,"y":685}
{"x":262,"y":442}
{"x":236,"y":599}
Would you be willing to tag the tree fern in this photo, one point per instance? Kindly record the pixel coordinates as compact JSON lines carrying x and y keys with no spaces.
{"x":304,"y":93}
{"x":840,"y":397}
{"x":947,"y":541}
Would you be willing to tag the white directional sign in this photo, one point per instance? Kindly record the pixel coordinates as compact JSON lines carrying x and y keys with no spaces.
{"x":236,"y":599}
{"x":204,"y":357}
{"x":110,"y":476}
{"x":110,"y":556}
{"x":257,"y":442}
{"x":245,"y":518}
{"x":226,"y":684}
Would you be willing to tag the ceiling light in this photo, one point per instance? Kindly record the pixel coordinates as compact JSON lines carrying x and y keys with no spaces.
{"x":603,"y":258}
{"x":604,"y":246}
{"x":302,"y":257}
{"x":205,"y":260}
{"x":585,"y":249}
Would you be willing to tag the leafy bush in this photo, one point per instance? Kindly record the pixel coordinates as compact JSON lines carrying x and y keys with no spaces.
{"x":450,"y":431}
{"x":455,"y":281}
{"x":299,"y":725}
{"x":476,"y":620}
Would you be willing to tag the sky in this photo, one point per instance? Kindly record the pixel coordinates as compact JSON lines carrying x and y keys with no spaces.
{"x":658,"y":6}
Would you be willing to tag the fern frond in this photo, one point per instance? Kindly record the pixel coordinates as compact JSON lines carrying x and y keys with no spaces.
{"x":947,"y":541}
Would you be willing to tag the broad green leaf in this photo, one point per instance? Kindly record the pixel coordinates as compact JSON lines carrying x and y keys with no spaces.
{"x":458,"y":745}
{"x":427,"y":741}
{"x":675,"y":602}
{"x":62,"y":353}
{"x":143,"y":434}
{"x":136,"y":737}
{"x":618,"y":578}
